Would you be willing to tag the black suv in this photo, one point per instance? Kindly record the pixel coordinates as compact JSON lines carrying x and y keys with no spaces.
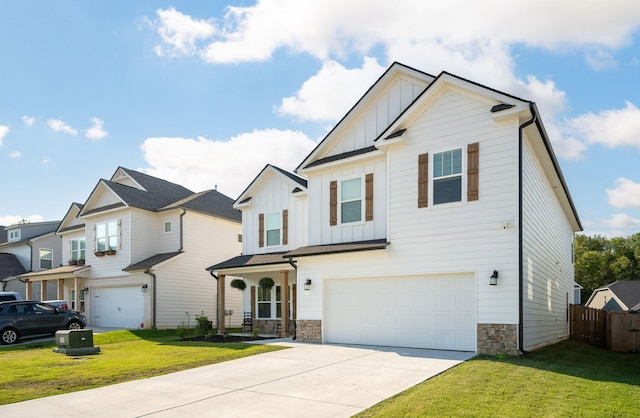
{"x":24,"y":318}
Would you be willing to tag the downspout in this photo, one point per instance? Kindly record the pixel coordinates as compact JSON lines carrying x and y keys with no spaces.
{"x":153,"y":298}
{"x":520,"y":228}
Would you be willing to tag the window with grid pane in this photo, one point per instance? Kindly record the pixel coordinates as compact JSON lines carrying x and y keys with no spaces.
{"x":447,"y":176}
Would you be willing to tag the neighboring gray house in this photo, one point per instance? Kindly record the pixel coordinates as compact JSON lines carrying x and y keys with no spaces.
{"x":35,"y":247}
{"x":619,"y":296}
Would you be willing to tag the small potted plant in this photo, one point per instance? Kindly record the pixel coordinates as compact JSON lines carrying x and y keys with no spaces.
{"x":110,"y":251}
{"x":73,"y":262}
{"x":99,"y":253}
{"x":266,"y":283}
{"x":80,"y":262}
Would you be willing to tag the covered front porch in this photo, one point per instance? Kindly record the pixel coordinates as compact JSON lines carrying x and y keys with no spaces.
{"x":69,"y":283}
{"x":269,"y":293}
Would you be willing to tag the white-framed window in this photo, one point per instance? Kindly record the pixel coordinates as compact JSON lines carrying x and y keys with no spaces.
{"x":46,"y":258}
{"x":14,"y":235}
{"x":273,"y":228}
{"x":270,"y":303}
{"x":447,"y":176}
{"x":264,"y":303}
{"x":167,"y":226}
{"x":351,"y":200}
{"x":107,"y":236}
{"x":78,"y":247}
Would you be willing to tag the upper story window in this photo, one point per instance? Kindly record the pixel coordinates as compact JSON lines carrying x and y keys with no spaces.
{"x":46,"y":258}
{"x":442,"y":176}
{"x":167,"y":227}
{"x":78,"y":249}
{"x":14,"y":235}
{"x":273,"y":228}
{"x":107,"y":236}
{"x":447,"y":176}
{"x":351,"y":200}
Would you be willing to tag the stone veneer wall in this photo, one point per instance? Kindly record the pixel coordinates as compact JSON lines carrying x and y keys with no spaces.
{"x":270,"y":326}
{"x":309,"y":331}
{"x":498,"y":339}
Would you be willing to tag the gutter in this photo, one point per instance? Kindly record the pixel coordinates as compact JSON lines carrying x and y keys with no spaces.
{"x":217,"y":298}
{"x":534,"y":116}
{"x":153,"y":298}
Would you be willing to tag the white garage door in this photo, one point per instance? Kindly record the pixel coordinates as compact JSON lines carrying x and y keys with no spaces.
{"x":420,"y":312}
{"x":118,"y":307}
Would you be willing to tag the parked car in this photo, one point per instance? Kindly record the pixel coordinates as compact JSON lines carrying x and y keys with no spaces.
{"x":25,"y":318}
{"x":62,"y":304}
{"x":6,"y":296}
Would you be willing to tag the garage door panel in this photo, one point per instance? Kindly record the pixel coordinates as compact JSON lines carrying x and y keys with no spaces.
{"x":423,"y":312}
{"x":118,"y":307}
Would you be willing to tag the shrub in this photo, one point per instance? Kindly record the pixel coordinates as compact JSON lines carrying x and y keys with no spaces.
{"x":183,"y":331}
{"x":203,"y":325}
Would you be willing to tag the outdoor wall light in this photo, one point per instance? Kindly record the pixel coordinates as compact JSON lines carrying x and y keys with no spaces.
{"x":307,"y":285}
{"x":144,"y":288}
{"x":85,"y":290}
{"x":493,"y":280}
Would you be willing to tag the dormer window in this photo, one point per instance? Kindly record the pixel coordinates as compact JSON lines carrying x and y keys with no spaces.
{"x":14,"y":235}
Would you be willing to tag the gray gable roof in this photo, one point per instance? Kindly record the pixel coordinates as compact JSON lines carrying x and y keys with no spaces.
{"x":10,"y":266}
{"x":147,"y":263}
{"x":292,"y":176}
{"x":628,"y":291}
{"x":211,"y":202}
{"x":153,"y":199}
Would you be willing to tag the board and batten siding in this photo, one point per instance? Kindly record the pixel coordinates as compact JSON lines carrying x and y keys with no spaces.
{"x":184,"y":285}
{"x":378,"y":116}
{"x":547,"y":258}
{"x":274,"y":195}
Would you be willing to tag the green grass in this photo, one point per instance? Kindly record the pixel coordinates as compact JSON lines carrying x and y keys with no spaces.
{"x":568,"y":379}
{"x":35,"y":371}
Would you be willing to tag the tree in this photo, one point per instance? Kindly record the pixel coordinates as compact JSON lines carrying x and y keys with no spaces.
{"x":600,"y":261}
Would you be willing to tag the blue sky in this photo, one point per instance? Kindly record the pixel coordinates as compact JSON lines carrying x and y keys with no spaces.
{"x":206,"y":93}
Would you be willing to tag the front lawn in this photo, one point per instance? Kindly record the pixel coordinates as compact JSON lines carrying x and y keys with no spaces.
{"x":35,"y":371}
{"x":568,"y":379}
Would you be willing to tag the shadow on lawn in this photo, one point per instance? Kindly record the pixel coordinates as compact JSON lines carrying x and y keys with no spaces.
{"x":579,"y":360}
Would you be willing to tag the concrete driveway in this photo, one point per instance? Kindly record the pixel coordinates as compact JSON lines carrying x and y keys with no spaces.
{"x":310,"y":380}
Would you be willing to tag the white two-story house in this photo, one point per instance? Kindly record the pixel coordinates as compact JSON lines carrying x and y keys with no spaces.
{"x":435,"y":216}
{"x":30,"y":247}
{"x":135,"y":253}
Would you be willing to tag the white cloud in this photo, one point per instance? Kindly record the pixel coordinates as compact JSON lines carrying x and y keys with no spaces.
{"x":15,"y":154}
{"x":45,"y":160}
{"x":201,"y":163}
{"x":4,"y":130}
{"x":97,"y":131}
{"x":622,"y":221}
{"x":29,"y":120}
{"x":336,"y":27}
{"x":59,"y":126}
{"x":626,"y":194}
{"x":330,"y":93}
{"x":612,"y":127}
{"x":180,"y":33}
{"x":600,"y":59}
{"x":8,"y":220}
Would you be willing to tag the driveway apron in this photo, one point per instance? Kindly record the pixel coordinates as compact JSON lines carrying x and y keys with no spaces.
{"x":310,"y":380}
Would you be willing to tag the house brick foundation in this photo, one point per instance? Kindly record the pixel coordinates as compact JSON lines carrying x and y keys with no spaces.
{"x":498,"y":339}
{"x":270,"y":326}
{"x":309,"y":331}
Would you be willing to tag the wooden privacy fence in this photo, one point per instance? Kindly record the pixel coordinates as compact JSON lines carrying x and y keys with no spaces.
{"x":616,"y":331}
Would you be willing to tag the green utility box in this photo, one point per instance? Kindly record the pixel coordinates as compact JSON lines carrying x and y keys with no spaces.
{"x":75,"y":342}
